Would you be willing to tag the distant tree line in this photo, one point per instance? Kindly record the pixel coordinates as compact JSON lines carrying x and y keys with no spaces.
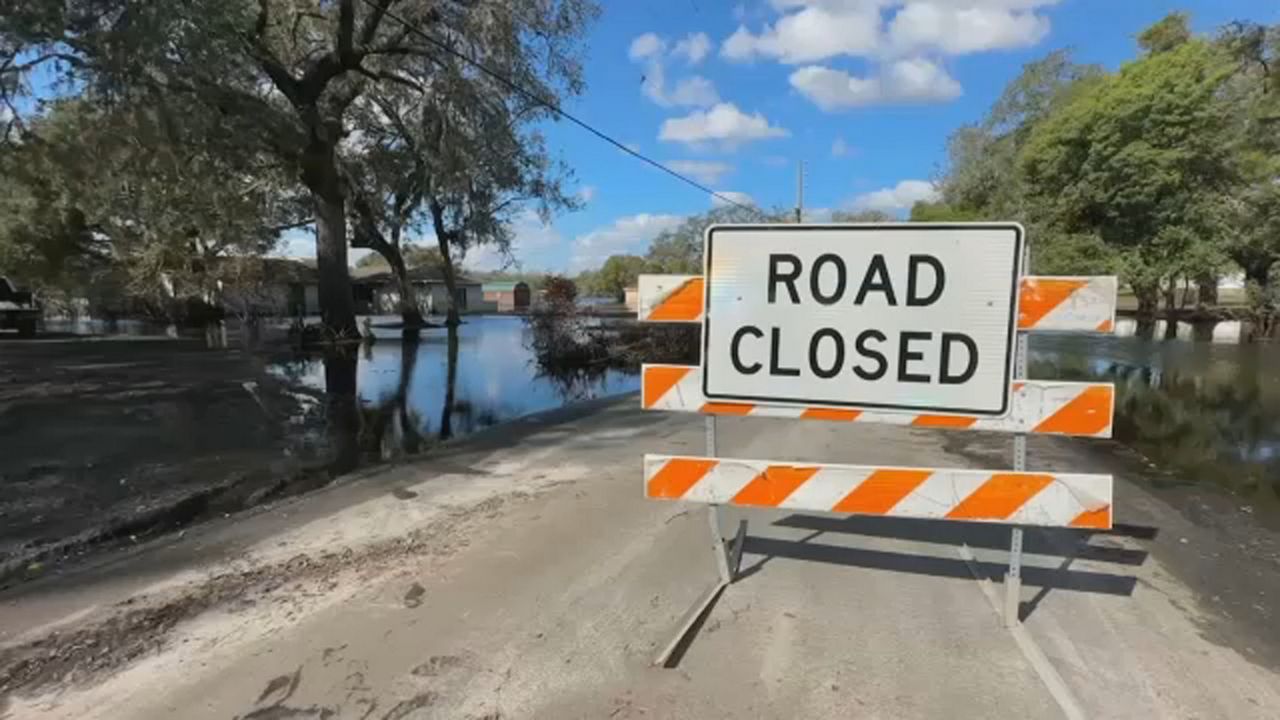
{"x":678,"y":251}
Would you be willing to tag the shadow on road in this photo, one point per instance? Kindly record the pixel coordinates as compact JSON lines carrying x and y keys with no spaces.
{"x":1071,"y":545}
{"x":1074,"y":543}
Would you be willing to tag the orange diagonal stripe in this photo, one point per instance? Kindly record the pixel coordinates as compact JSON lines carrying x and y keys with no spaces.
{"x":1000,"y":496}
{"x":658,"y":380}
{"x":719,"y":408}
{"x":830,"y":414}
{"x":1038,"y":297}
{"x":772,"y":486}
{"x":1088,"y":413}
{"x":685,"y":303}
{"x":881,"y":491}
{"x":677,"y":476}
{"x":1106,"y":326}
{"x":943,"y":421}
{"x":1100,"y":518}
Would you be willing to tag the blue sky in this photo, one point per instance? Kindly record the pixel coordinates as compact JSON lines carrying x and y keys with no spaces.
{"x":736,"y":93}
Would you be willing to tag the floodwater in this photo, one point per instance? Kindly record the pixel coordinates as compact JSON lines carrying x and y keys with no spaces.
{"x":1192,"y":398}
{"x":409,"y":395}
{"x":1208,"y":411}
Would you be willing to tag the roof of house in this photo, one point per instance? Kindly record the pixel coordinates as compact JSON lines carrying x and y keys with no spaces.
{"x":504,"y":285}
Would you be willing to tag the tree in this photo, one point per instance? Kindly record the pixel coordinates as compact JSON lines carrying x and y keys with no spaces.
{"x":618,"y":273}
{"x":119,"y":194}
{"x":486,"y":161}
{"x":560,"y":289}
{"x":1252,"y":212}
{"x":415,"y":257}
{"x":282,"y":75}
{"x":1138,"y":159}
{"x":679,"y":250}
{"x":924,"y":211}
{"x":1166,"y":34}
{"x":861,"y":216}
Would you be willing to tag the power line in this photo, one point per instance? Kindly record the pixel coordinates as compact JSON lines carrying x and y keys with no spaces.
{"x":512,"y":85}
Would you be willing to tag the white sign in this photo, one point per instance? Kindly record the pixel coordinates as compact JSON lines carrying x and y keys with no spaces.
{"x":918,"y":317}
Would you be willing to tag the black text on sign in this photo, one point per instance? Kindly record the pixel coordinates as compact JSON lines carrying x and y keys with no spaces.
{"x":916,"y":317}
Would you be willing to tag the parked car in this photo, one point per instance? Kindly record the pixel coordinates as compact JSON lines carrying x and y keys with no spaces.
{"x":18,"y":309}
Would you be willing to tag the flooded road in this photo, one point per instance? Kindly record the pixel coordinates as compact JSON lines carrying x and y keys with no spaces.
{"x":1204,"y":411}
{"x":1202,"y":406}
{"x":446,"y":384}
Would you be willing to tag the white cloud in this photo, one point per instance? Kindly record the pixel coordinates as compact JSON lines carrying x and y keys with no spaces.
{"x":693,"y":91}
{"x":707,"y":172}
{"x":813,"y":33}
{"x":627,"y":235}
{"x":898,"y":198}
{"x":911,"y":81}
{"x":738,"y":197}
{"x":724,"y":124}
{"x":811,"y":30}
{"x":693,"y":47}
{"x":531,"y":238}
{"x":646,"y":46}
{"x":587,"y":193}
{"x":958,"y":28}
{"x":839,"y":148}
{"x":297,"y":243}
{"x":775,"y":160}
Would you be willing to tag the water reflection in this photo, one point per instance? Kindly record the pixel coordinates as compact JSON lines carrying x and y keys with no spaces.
{"x":1208,"y":412}
{"x":408,"y":394}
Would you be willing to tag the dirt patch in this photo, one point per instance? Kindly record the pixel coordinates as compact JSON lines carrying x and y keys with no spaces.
{"x":113,"y":441}
{"x":142,"y":624}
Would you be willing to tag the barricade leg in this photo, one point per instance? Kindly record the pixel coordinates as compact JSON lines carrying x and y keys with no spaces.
{"x":728,"y":560}
{"x":1013,"y":580}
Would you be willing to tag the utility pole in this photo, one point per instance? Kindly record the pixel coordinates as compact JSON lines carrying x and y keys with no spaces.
{"x":800,"y":192}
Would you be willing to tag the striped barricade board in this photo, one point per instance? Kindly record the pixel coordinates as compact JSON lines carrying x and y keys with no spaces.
{"x":1077,"y":304}
{"x":1039,"y":406}
{"x":1071,"y":500}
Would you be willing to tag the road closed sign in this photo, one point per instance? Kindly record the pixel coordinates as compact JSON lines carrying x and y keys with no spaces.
{"x":916,"y":317}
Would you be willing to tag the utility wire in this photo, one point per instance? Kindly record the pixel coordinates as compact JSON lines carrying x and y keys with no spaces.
{"x":512,"y":85}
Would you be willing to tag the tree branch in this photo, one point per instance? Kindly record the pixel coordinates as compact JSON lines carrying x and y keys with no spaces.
{"x":391,"y":77}
{"x":346,"y":31}
{"x":371,"y":22}
{"x":264,"y":13}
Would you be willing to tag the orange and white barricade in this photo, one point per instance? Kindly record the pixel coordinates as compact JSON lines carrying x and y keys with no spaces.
{"x":1016,"y":497}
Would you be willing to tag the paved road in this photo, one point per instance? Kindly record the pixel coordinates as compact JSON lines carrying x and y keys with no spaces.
{"x":522,"y":575}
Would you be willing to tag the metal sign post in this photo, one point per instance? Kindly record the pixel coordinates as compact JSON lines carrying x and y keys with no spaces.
{"x":1013,"y":579}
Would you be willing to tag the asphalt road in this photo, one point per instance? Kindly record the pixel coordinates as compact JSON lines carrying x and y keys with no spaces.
{"x":520,"y":574}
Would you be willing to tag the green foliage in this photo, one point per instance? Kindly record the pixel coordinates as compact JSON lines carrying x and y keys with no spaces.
{"x":679,"y":250}
{"x":117,"y":200}
{"x":305,"y":83}
{"x":1161,"y":171}
{"x":415,"y":256}
{"x":1167,"y":34}
{"x":942,"y":212}
{"x":618,"y":273}
{"x":1141,"y":160}
{"x":861,"y":216}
